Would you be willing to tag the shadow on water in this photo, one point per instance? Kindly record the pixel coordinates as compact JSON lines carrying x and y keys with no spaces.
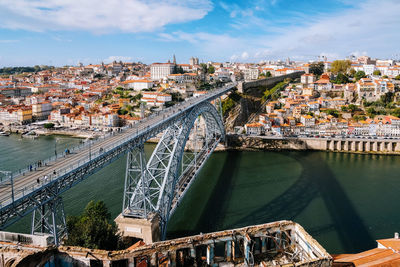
{"x":213,"y":214}
{"x":349,"y":226}
{"x":216,"y":207}
{"x":316,"y":179}
{"x":286,"y":206}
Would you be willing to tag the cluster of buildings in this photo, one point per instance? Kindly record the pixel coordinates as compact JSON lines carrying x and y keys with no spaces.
{"x":94,"y":96}
{"x":317,"y":106}
{"x":110,"y":95}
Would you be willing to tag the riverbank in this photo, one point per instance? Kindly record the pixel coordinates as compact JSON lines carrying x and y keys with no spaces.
{"x":50,"y":132}
{"x":349,"y":145}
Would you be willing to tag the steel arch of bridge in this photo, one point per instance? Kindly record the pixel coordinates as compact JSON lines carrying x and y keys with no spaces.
{"x":158,"y":186}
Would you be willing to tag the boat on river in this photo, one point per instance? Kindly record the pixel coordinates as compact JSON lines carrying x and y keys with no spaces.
{"x":30,"y":134}
{"x":4,"y":133}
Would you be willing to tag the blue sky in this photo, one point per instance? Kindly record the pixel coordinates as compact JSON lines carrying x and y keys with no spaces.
{"x":61,"y":32}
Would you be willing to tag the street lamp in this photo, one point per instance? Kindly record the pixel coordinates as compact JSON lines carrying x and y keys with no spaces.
{"x":9,"y":173}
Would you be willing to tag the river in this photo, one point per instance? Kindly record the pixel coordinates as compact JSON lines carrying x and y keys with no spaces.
{"x":345,"y":201}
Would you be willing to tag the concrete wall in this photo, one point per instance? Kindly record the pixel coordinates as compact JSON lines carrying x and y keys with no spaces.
{"x":391,"y":147}
{"x":243,"y":87}
{"x":225,"y":248}
{"x":34,"y":240}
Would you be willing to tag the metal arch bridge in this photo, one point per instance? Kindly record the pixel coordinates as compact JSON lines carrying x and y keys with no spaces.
{"x":156,"y":187}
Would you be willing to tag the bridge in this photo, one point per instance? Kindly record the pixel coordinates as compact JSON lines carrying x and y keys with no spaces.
{"x":153,"y":187}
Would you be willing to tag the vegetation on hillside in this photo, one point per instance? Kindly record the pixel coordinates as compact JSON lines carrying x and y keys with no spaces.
{"x":93,"y":228}
{"x":17,"y":70}
{"x":230,"y":101}
{"x":278,"y":87}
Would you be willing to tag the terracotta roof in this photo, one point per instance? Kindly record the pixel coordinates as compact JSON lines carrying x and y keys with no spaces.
{"x":371,"y":258}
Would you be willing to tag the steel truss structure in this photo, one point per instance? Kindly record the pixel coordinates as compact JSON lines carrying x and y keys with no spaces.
{"x":50,"y":219}
{"x":158,"y":186}
{"x":163,"y":179}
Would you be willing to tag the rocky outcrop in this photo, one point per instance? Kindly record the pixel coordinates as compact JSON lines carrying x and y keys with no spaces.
{"x":240,"y":114}
{"x":241,"y":142}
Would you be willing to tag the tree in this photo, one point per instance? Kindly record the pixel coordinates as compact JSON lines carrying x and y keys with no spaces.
{"x":92,"y":229}
{"x":387,"y":98}
{"x":359,"y":118}
{"x":268,"y":74}
{"x":377,"y":72}
{"x":341,"y":78}
{"x":340,"y":66}
{"x":352,"y":72}
{"x":211,"y":69}
{"x":48,"y":125}
{"x":317,"y":68}
{"x":371,"y":112}
{"x":333,"y":112}
{"x":122,"y":111}
{"x":397,"y":77}
{"x":203,"y":67}
{"x":396,"y":112}
{"x":359,"y":74}
{"x":352,"y":108}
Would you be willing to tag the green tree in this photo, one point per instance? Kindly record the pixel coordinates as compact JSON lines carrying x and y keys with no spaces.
{"x":333,"y":112}
{"x":317,"y":68}
{"x":92,"y":229}
{"x":359,"y":118}
{"x":48,"y":125}
{"x":352,"y":108}
{"x":387,"y":98}
{"x":340,"y":66}
{"x":359,"y":74}
{"x":371,"y":112}
{"x":203,"y":67}
{"x":341,"y":78}
{"x":397,"y":77}
{"x":122,"y":111}
{"x":352,"y":72}
{"x":396,"y":112}
{"x":377,"y":72}
{"x":211,"y":69}
{"x":344,"y":108}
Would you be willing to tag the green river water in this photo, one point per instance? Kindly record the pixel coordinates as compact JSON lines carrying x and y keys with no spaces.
{"x":345,"y":201}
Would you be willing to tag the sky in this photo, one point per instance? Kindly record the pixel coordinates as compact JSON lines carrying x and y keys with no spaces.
{"x":65,"y":32}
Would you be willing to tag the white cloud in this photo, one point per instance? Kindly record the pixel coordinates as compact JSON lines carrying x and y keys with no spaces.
{"x":369,"y":27}
{"x":8,"y":41}
{"x":117,"y":58}
{"x":245,"y":55}
{"x":103,"y":16}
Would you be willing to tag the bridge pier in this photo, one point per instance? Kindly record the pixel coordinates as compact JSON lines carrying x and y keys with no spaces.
{"x":146,"y":229}
{"x":49,"y":219}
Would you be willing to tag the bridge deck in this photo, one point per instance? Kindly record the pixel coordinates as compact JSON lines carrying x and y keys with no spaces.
{"x":35,"y":180}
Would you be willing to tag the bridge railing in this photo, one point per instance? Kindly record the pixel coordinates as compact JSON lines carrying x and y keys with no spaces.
{"x":141,"y":129}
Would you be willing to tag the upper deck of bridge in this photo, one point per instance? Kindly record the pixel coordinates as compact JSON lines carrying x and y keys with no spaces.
{"x":24,"y":182}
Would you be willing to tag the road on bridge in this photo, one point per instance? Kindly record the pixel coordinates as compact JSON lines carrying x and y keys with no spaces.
{"x":32,"y":180}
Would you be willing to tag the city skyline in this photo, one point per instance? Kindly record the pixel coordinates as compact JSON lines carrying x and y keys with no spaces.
{"x":67,"y":32}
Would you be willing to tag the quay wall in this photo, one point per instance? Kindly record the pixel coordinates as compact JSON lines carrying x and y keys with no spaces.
{"x":350,"y":145}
